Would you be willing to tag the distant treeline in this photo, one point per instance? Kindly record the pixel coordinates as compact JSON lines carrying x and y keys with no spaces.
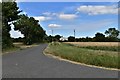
{"x":111,"y":36}
{"x":97,"y":39}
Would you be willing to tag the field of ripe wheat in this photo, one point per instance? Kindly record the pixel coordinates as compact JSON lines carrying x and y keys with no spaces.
{"x":94,"y":43}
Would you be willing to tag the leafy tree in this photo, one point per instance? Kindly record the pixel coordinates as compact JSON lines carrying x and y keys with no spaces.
{"x":88,"y":39}
{"x":71,"y":39}
{"x":32,"y":31}
{"x":0,"y":24}
{"x":49,"y":38}
{"x":99,"y":37}
{"x":9,"y":13}
{"x":57,"y":37}
{"x":46,"y":39}
{"x":77,"y":39}
{"x":17,"y":39}
{"x":112,"y":32}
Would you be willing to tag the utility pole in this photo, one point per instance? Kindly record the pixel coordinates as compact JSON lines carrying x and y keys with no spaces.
{"x":74,"y":32}
{"x":52,"y":35}
{"x":74,"y":35}
{"x":52,"y":32}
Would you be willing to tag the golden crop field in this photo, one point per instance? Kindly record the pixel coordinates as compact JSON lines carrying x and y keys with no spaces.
{"x":95,"y":43}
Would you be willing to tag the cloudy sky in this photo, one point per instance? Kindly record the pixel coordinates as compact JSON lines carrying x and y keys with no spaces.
{"x":63,"y":17}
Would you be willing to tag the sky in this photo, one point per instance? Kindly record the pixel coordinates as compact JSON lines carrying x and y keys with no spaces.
{"x":86,"y":18}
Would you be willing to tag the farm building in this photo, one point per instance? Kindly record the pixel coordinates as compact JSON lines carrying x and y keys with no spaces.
{"x":63,"y":39}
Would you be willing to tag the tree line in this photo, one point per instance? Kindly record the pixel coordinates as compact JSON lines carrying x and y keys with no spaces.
{"x":112,"y":36}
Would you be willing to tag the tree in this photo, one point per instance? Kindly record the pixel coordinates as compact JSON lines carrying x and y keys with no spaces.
{"x":9,"y":13}
{"x":32,"y":31}
{"x":88,"y":39}
{"x":0,"y":24}
{"x":112,"y":32}
{"x":49,"y":38}
{"x":57,"y":37}
{"x":71,"y":39}
{"x":99,"y":37}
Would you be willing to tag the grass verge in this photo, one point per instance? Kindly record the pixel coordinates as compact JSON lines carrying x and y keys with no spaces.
{"x":11,"y":49}
{"x":17,"y":46}
{"x":101,"y":58}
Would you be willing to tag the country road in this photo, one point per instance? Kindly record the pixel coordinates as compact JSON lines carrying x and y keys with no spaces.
{"x":32,"y":63}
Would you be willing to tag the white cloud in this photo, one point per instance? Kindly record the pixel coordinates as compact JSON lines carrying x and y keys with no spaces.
{"x":12,"y":22}
{"x":46,"y":13}
{"x":54,"y":26}
{"x":42,"y":18}
{"x":96,"y":10}
{"x":15,"y":34}
{"x":67,"y":16}
{"x":50,"y":14}
{"x":23,"y":12}
{"x":60,"y":15}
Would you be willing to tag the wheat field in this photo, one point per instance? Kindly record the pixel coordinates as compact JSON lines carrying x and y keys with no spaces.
{"x":95,"y":43}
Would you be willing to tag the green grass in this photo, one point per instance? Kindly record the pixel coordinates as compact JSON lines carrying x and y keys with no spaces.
{"x":11,"y":49}
{"x":84,"y":55}
{"x":16,"y":47}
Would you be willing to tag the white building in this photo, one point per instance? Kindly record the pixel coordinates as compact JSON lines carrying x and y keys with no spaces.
{"x":63,"y":39}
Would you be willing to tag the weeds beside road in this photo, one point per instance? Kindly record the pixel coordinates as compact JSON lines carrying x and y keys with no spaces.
{"x":104,"y":58}
{"x":17,"y":46}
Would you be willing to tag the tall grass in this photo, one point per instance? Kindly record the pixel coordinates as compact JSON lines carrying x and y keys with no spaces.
{"x":11,"y":49}
{"x":84,"y":55}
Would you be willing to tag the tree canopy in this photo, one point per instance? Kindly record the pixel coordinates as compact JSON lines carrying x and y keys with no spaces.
{"x":112,"y":32}
{"x":71,"y":38}
{"x":28,"y":26}
{"x":10,"y":13}
{"x":99,"y":37}
{"x":31,"y":29}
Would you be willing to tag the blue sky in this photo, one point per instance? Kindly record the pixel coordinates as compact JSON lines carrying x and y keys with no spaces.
{"x":87,"y":18}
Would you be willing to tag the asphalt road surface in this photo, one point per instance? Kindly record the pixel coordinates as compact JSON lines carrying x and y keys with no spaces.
{"x":32,"y":63}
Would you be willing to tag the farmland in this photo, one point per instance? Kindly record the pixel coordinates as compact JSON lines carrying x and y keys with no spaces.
{"x":106,"y":46}
{"x":103,"y":54}
{"x":109,"y":44}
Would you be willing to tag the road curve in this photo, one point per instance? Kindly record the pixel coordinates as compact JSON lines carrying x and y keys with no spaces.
{"x":32,"y":63}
